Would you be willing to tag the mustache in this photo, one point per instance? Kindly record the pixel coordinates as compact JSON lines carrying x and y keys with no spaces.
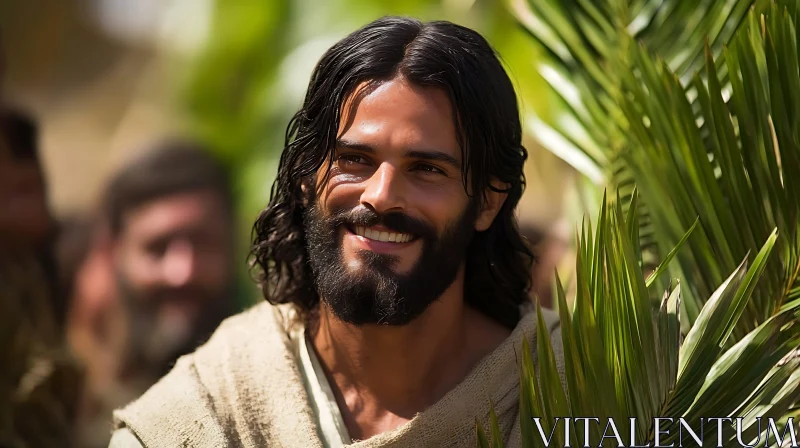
{"x":155,"y":297}
{"x":395,"y":221}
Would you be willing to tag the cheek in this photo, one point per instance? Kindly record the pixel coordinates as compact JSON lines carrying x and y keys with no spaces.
{"x":140,"y":269}
{"x":439,"y":205}
{"x":339,"y":191}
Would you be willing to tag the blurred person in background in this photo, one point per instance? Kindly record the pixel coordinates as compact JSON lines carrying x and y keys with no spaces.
{"x":25,"y":220}
{"x":26,"y":223}
{"x":155,"y":278}
{"x":170,"y":222}
{"x":39,"y":380}
{"x":95,"y":327}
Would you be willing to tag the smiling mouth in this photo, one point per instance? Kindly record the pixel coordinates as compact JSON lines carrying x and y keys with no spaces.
{"x":383,"y":236}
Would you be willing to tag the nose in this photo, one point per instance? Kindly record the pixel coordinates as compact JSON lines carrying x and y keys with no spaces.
{"x":383,"y":190}
{"x":179,"y":263}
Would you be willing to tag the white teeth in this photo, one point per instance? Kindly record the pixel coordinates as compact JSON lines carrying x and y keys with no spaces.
{"x":390,"y":237}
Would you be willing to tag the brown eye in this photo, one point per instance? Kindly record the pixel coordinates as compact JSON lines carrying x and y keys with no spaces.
{"x":427,"y":168}
{"x":353,"y":159}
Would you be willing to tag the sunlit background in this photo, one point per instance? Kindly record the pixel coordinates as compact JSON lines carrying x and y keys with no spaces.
{"x":108,"y":78}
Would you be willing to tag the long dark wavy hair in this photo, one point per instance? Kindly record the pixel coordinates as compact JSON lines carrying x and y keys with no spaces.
{"x":435,"y":54}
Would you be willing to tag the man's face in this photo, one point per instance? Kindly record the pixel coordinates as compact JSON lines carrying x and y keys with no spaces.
{"x":388,"y":233}
{"x":173,"y":259}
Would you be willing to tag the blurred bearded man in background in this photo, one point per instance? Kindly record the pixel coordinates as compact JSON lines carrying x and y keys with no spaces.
{"x":170,"y":220}
{"x":166,"y":247}
{"x":395,"y":275}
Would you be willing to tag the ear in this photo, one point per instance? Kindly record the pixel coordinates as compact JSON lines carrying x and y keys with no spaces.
{"x":495,"y":197}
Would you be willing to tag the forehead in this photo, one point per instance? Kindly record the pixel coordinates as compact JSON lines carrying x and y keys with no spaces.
{"x":173,"y":213}
{"x":399,"y":114}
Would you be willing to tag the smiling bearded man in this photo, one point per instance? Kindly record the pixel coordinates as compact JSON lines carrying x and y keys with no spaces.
{"x":396,"y":279}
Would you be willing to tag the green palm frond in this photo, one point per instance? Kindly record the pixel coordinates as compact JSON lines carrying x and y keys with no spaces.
{"x":587,"y":43}
{"x":695,"y":102}
{"x":623,"y":358}
{"x":709,"y":131}
{"x":734,"y":164}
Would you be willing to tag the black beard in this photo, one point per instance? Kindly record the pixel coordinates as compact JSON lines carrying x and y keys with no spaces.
{"x":376,"y":294}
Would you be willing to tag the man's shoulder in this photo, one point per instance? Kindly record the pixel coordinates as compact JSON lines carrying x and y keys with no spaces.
{"x":262,"y":329}
{"x":259,"y":317}
{"x":177,"y":400}
{"x":202,"y":387}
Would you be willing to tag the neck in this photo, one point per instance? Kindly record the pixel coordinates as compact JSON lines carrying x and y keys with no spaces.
{"x":383,"y":375}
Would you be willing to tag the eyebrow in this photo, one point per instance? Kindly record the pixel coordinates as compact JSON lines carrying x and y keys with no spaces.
{"x":430,"y":155}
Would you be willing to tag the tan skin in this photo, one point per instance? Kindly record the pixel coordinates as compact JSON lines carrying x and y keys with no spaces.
{"x":175,"y":242}
{"x":394,"y":154}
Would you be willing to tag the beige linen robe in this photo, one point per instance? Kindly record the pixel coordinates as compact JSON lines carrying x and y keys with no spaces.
{"x":243,"y":389}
